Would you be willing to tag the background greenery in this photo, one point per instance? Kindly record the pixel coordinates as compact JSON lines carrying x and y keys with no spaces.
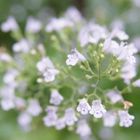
{"x":102,"y":11}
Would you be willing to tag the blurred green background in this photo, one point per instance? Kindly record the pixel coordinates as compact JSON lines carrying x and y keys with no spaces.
{"x":103,"y":12}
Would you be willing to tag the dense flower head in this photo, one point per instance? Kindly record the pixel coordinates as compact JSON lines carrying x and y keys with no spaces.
{"x":77,"y":69}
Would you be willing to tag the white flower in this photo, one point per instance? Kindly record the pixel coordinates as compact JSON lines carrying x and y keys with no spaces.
{"x":60,"y":124}
{"x":7,"y":92}
{"x":20,"y":103}
{"x":74,"y":57}
{"x":124,"y":53}
{"x":127,"y":52}
{"x":97,"y":109}
{"x":121,"y":35}
{"x":56,"y":97}
{"x":5,"y":57}
{"x":83,"y":107}
{"x":50,"y":74}
{"x":24,"y":120}
{"x":83,"y":128}
{"x":128,"y":72}
{"x":10,"y":77}
{"x":7,"y":104}
{"x":70,"y":117}
{"x":91,"y":33}
{"x":109,"y":119}
{"x":121,"y":51}
{"x":51,"y":109}
{"x":114,"y":96}
{"x":136,"y":83}
{"x":126,"y":120}
{"x":7,"y":98}
{"x":33,"y":25}
{"x":9,"y":25}
{"x":47,"y":69}
{"x":56,"y":24}
{"x":50,"y":119}
{"x":73,"y":14}
{"x":34,"y":108}
{"x":22,"y":46}
{"x":111,"y":46}
{"x":43,"y":64}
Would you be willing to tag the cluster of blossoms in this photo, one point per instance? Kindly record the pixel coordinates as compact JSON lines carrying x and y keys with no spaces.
{"x":109,"y":117}
{"x":37,"y":78}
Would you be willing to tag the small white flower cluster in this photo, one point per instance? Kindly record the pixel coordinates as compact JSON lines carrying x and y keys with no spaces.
{"x":30,"y":110}
{"x":9,"y":100}
{"x":47,"y":70}
{"x":71,"y":17}
{"x":61,"y":23}
{"x":32,"y":26}
{"x":52,"y":119}
{"x":109,"y":117}
{"x":96,"y":109}
{"x":123,"y":52}
{"x":7,"y":92}
{"x":92,"y":33}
